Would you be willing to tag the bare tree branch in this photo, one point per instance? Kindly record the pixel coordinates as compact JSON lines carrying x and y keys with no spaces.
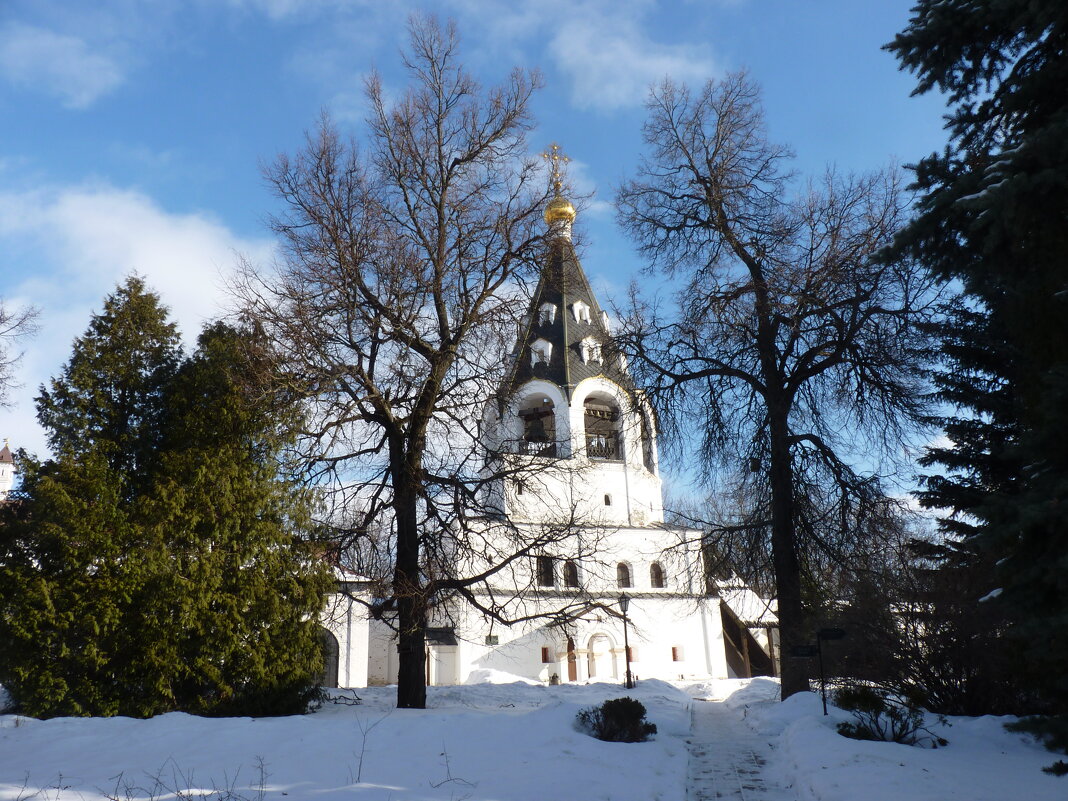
{"x":792,"y":345}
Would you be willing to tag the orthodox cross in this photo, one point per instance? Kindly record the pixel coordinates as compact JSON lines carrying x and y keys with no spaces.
{"x":555,"y":156}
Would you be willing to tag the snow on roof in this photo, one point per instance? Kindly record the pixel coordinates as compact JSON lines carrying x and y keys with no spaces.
{"x":750,"y":608}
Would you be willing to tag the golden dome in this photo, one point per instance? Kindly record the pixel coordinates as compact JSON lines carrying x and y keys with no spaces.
{"x":559,"y":210}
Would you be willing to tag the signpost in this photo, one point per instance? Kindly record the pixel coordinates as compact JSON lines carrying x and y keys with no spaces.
{"x":821,"y":635}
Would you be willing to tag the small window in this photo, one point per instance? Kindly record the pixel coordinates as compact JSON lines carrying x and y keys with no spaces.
{"x":546,"y":655}
{"x":676,"y":653}
{"x":520,"y":487}
{"x":581,"y":311}
{"x":541,"y":352}
{"x":492,"y":639}
{"x":623,"y":575}
{"x":590,"y":350}
{"x":545,"y":572}
{"x":607,"y":500}
{"x":570,"y":574}
{"x":656,"y":576}
{"x":546,"y":314}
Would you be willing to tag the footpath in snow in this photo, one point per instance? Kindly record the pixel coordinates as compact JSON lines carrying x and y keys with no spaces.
{"x":727,"y":757}
{"x":745,"y":744}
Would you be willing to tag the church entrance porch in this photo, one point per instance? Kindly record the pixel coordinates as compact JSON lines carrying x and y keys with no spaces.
{"x":599,"y":657}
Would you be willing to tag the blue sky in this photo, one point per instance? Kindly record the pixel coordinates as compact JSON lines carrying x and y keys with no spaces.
{"x":132,"y":131}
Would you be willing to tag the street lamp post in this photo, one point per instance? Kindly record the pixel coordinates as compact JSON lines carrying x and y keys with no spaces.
{"x":624,"y":605}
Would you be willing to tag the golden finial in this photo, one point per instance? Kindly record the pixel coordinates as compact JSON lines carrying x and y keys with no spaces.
{"x":559,"y":208}
{"x":555,"y":156}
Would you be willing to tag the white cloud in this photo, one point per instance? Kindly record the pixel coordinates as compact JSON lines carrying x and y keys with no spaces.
{"x":612,"y":64}
{"x":67,"y":248}
{"x":285,"y":10}
{"x":59,"y":64}
{"x":606,"y":49}
{"x":280,"y":9}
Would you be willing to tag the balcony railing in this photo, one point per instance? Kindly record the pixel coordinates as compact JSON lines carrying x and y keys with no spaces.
{"x":603,"y":446}
{"x":546,"y":449}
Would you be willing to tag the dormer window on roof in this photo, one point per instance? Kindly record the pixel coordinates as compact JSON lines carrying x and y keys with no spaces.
{"x":590,"y":350}
{"x":541,"y":351}
{"x":581,"y":311}
{"x":547,"y":314}
{"x":605,"y":322}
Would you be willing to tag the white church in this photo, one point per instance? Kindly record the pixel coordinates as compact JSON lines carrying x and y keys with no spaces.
{"x":584,"y":442}
{"x":570,"y":410}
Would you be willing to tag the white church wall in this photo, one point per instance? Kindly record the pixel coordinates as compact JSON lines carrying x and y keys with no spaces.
{"x":669,"y":637}
{"x":347,"y":621}
{"x":595,"y":492}
{"x":596,"y":551}
{"x":382,"y":663}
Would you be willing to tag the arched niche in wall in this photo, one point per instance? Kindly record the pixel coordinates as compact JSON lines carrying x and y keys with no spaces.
{"x":648,"y":442}
{"x":656,"y":576}
{"x":571,"y":576}
{"x":331,"y":658}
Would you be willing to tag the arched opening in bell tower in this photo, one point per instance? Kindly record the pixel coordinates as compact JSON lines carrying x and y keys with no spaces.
{"x":601,"y":420}
{"x":539,"y":426}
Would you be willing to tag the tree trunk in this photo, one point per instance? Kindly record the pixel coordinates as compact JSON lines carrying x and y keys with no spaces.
{"x":784,"y":552}
{"x":794,"y":671}
{"x":409,"y":591}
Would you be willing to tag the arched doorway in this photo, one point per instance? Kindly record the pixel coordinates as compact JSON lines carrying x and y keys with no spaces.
{"x":331,"y":658}
{"x":600,"y":657}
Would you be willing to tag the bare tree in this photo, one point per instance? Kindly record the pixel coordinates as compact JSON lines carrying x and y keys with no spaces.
{"x":15,"y":324}
{"x":397,"y":296}
{"x":793,"y":346}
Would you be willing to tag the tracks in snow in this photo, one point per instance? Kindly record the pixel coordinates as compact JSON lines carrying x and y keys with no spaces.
{"x":727,"y":758}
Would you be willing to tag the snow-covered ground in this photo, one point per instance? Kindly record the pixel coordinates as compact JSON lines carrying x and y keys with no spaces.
{"x":499,"y":742}
{"x":983,"y":762}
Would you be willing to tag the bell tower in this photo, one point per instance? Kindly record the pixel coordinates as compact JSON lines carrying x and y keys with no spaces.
{"x":7,"y":471}
{"x":568,"y":399}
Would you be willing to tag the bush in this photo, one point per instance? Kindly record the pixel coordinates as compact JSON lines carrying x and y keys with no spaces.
{"x":619,"y":720}
{"x":878,"y":717}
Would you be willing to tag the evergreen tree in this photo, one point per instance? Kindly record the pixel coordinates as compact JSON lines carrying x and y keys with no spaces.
{"x":992,"y":217}
{"x":244,"y":590}
{"x":158,"y":561}
{"x":66,"y":585}
{"x":109,"y":399}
